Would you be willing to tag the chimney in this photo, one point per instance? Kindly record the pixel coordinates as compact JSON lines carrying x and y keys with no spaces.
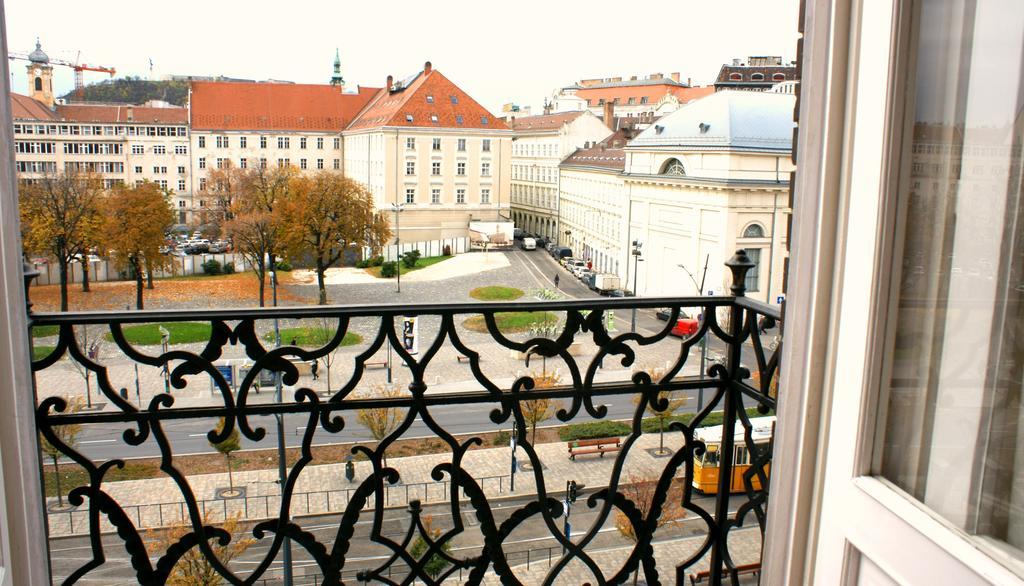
{"x":391,"y":81}
{"x":657,"y":76}
{"x":735,"y":62}
{"x":609,"y":115}
{"x":130,"y":114}
{"x":427,"y":68}
{"x":689,"y":81}
{"x":675,"y":76}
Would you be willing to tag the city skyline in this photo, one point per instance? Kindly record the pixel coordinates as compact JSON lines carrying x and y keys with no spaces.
{"x":514,"y":71}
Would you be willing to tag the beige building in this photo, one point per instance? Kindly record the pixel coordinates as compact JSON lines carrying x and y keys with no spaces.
{"x":424,"y":144}
{"x":539,"y":144}
{"x":248,"y":125}
{"x":594,"y":207}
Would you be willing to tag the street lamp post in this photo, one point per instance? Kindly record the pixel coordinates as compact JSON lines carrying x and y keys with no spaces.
{"x":282,"y":468}
{"x":637,"y":245}
{"x":512,"y":443}
{"x":703,"y":339}
{"x":398,"y":207}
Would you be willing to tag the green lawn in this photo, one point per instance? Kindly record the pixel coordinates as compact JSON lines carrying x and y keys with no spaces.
{"x":149,"y":334}
{"x":312,"y":337}
{"x":420,"y":264}
{"x":496,"y":293}
{"x":44,"y":331}
{"x":40,"y":352}
{"x":510,"y":322}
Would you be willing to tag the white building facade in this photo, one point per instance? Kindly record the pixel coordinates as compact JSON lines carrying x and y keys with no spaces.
{"x":539,"y":144}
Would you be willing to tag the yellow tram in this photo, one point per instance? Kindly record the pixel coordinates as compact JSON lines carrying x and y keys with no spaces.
{"x":705,"y":467}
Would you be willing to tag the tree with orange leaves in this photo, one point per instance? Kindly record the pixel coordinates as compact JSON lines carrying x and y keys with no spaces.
{"x":136,"y":220}
{"x":60,"y":217}
{"x":325,"y":214}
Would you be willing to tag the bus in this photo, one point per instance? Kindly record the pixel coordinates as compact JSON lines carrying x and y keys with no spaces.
{"x":705,"y":466}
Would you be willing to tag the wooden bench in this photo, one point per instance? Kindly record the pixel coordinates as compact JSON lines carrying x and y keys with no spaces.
{"x":747,"y":570}
{"x":594,"y":446}
{"x":375,"y":363}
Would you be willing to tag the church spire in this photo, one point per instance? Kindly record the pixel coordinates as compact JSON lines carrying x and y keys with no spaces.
{"x":337,"y":79}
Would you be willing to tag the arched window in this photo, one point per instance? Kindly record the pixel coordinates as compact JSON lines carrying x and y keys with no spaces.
{"x":753,"y":231}
{"x":757,"y":77}
{"x":735,"y":77}
{"x":39,"y":84}
{"x":673,"y":167}
{"x":779,"y":77}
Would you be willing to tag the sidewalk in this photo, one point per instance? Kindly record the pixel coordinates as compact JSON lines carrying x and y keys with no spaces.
{"x":323,"y":488}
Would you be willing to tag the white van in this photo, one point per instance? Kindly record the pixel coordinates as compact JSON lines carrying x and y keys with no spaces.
{"x":529,"y":244}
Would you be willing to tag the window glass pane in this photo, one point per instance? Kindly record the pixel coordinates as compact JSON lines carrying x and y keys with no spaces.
{"x":953,"y":426}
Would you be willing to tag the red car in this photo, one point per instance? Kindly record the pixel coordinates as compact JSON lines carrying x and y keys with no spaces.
{"x":685,"y":327}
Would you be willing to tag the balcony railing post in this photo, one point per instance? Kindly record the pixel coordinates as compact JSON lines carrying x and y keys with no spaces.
{"x":739,"y":264}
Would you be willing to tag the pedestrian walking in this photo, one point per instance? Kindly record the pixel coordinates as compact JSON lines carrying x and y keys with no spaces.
{"x":556,"y":281}
{"x":314,"y":368}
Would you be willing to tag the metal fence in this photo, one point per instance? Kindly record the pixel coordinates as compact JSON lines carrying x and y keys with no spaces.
{"x":733,"y":320}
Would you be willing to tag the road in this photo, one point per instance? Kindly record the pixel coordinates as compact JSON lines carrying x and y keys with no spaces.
{"x":533,"y":535}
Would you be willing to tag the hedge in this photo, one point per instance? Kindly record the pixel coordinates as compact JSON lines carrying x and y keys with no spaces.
{"x":596,"y":429}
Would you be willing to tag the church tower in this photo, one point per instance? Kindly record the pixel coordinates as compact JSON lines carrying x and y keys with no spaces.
{"x":40,"y":76}
{"x":337,"y":80}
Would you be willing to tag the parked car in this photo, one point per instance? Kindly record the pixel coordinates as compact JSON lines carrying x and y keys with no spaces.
{"x":685,"y":327}
{"x":562,"y":252}
{"x":664,"y":314}
{"x":541,"y":242}
{"x":587,"y":276}
{"x":574,"y":266}
{"x":529,"y":243}
{"x":218,"y":247}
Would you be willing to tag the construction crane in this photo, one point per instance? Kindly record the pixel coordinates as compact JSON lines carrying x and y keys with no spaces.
{"x":79,"y":69}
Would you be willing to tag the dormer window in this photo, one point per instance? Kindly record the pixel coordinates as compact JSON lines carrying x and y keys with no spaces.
{"x":433,"y":118}
{"x":735,"y":77}
{"x":757,"y":77}
{"x":430,"y":99}
{"x":483,"y":120}
{"x":408,"y":117}
{"x":455,"y":99}
{"x":458,"y":119}
{"x":779,"y":77}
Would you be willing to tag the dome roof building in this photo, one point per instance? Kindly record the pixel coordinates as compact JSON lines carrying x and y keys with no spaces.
{"x":38,"y":56}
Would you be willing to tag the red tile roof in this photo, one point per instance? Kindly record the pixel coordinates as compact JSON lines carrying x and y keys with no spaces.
{"x":25,"y":108}
{"x":104,"y":113}
{"x":544,"y":122}
{"x":274,"y":106}
{"x":427,"y":94}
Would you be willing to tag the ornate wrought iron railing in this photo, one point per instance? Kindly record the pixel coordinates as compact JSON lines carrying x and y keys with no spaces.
{"x":739,"y":325}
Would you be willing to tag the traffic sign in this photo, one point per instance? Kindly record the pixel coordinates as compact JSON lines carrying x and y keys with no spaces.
{"x":780,"y":299}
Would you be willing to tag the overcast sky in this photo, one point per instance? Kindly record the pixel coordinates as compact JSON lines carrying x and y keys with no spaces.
{"x":517,"y":51}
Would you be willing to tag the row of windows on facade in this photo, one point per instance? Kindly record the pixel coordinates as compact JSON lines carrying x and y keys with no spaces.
{"x":435,"y":195}
{"x":91,"y":148}
{"x":283,"y":142}
{"x":534,"y":173}
{"x":71,"y":166}
{"x":460,"y":144}
{"x":89,"y":130}
{"x":460,"y":168}
{"x":243,"y":163}
{"x":534,"y":150}
{"x":459,"y":120}
{"x":736,"y":76}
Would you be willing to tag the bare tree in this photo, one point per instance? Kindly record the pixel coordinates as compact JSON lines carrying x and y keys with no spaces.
{"x":68,"y":435}
{"x":193,"y":569}
{"x":381,"y":421}
{"x":541,"y":409}
{"x":642,"y":491}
